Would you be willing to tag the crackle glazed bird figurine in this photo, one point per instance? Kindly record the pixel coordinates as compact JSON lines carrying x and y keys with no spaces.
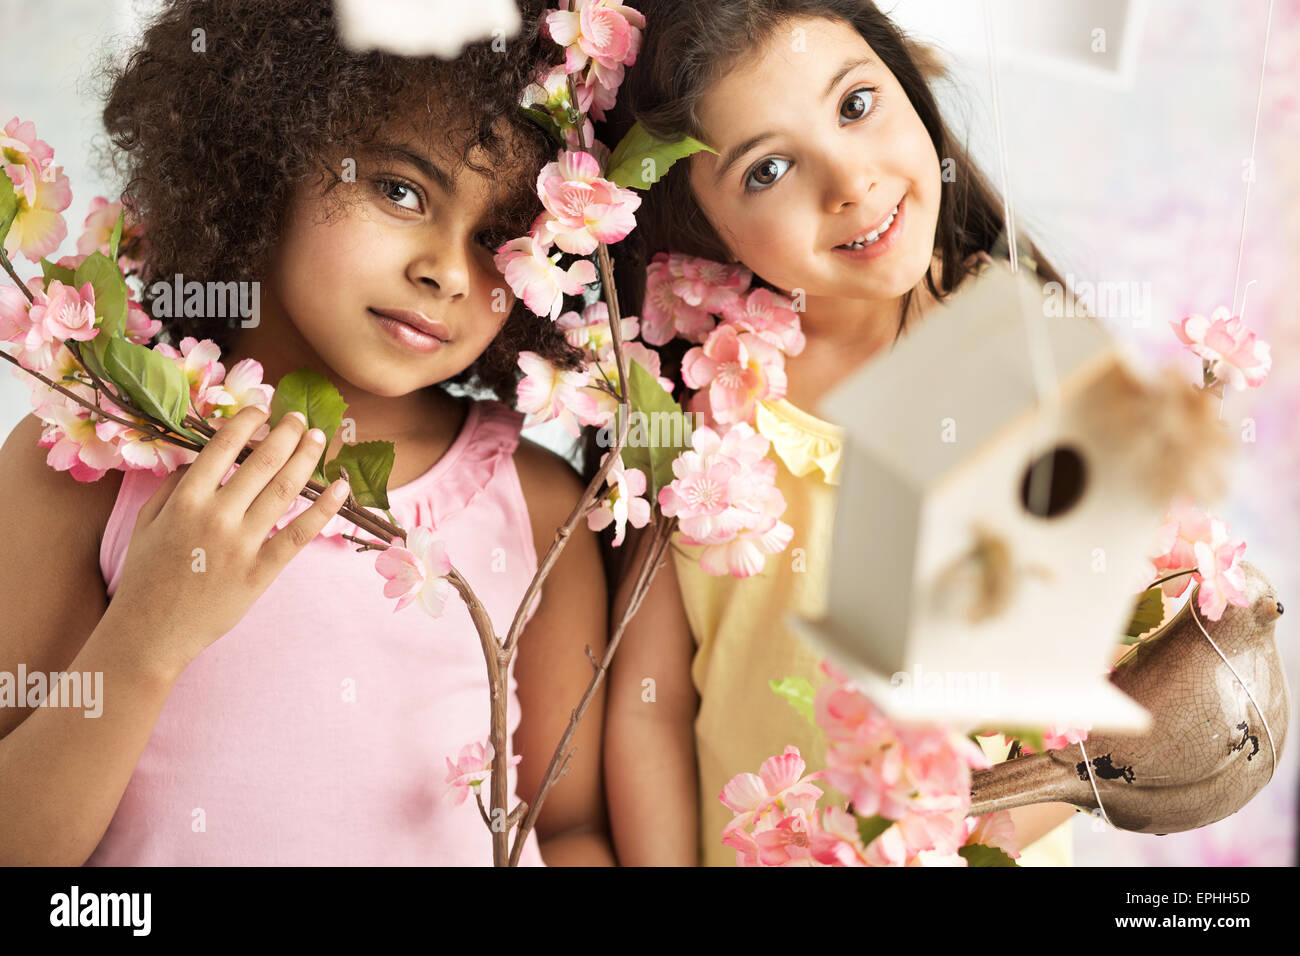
{"x":1210,"y":748}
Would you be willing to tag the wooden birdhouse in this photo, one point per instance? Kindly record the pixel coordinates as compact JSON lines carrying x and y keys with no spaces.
{"x":989,"y":542}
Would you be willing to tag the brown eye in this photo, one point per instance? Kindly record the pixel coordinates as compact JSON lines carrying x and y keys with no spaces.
{"x":766,"y":173}
{"x":857,"y":105}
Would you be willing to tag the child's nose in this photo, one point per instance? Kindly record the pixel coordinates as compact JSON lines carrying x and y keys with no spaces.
{"x":849,"y":179}
{"x":443,"y":270}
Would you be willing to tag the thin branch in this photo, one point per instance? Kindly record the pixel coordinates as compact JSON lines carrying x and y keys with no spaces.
{"x":560,"y":758}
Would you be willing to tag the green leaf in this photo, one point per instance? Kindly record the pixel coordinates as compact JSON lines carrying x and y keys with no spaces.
{"x":8,"y":206}
{"x":798,"y":693}
{"x":658,"y":432}
{"x":977,"y":854}
{"x":640,"y":160}
{"x":546,"y":121}
{"x":311,"y":393}
{"x":1149,"y":612}
{"x":154,"y":383}
{"x":369,"y":465}
{"x":116,"y":238}
{"x":110,"y":297}
{"x":51,"y":272}
{"x":871,"y":827}
{"x":1028,"y":737}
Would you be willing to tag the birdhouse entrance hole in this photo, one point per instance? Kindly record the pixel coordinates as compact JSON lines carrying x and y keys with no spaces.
{"x":1065,"y":477}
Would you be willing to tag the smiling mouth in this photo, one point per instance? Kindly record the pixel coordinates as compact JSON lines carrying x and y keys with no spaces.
{"x":875,"y":235}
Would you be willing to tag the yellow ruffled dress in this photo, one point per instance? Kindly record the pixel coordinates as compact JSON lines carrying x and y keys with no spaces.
{"x":742,"y":642}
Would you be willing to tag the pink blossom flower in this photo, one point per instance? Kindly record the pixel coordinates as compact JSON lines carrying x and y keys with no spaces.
{"x":25,"y":157}
{"x":596,"y":97}
{"x":591,"y":331}
{"x":768,"y":316}
{"x":1058,"y":738}
{"x":779,"y":803}
{"x":1234,"y":353}
{"x":837,"y":841}
{"x":585,"y":210}
{"x":472,"y":767}
{"x":62,"y":312}
{"x":605,"y":31}
{"x":138,"y":452}
{"x":887,"y":767}
{"x":537,"y":279}
{"x":785,"y":839}
{"x":713,"y":286}
{"x":1223,"y":581}
{"x":780,"y":783}
{"x":665,"y":313}
{"x":201,"y":363}
{"x":35,"y":351}
{"x":740,"y":369}
{"x":928,"y":833}
{"x":725,"y":498}
{"x":1191,"y":539}
{"x":140,"y":328}
{"x":41,"y":190}
{"x":74,"y":443}
{"x":241,"y":387}
{"x":996,"y":829}
{"x":1175,"y":543}
{"x":547,"y":393}
{"x":97,"y":231}
{"x":417,"y":571}
{"x":624,"y":504}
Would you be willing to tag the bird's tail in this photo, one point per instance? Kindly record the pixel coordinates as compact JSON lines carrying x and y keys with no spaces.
{"x":1016,"y":783}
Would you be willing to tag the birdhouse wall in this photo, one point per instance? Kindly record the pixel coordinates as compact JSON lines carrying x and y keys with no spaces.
{"x":963,"y":375}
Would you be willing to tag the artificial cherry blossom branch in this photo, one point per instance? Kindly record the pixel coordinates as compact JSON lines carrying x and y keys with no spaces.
{"x":663,"y":529}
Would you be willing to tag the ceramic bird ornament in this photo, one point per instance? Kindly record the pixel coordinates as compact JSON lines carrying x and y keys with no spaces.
{"x":1210,"y":748}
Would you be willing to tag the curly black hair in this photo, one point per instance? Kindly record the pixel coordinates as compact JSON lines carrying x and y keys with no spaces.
{"x":225,"y":106}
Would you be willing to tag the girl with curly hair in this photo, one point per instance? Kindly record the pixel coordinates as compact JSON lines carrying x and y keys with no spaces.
{"x":827,"y":177}
{"x":262,"y":702}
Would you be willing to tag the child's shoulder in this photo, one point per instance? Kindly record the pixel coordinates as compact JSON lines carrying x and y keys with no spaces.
{"x":551,"y":488}
{"x":54,"y":499}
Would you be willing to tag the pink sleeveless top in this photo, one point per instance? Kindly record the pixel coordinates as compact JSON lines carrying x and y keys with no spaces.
{"x":317,"y":731}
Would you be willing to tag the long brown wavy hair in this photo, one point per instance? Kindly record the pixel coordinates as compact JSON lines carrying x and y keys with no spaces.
{"x":210,"y":143}
{"x":687,"y":46}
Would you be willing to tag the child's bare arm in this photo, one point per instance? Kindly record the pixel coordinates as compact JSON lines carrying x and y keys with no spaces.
{"x":62,"y":772}
{"x":650,"y":726}
{"x":553,"y":671}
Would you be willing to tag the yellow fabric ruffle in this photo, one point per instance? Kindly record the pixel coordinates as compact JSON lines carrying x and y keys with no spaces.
{"x":803,"y":442}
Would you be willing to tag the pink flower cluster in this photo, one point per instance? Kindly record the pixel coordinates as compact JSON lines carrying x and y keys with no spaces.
{"x":582,"y":397}
{"x":41,"y":189}
{"x":87,"y":445}
{"x":1232,"y":351}
{"x":740,"y":361}
{"x":725,"y":498}
{"x":582,"y":210}
{"x":600,"y":38}
{"x":1196,"y":541}
{"x":915,"y":776}
{"x":777,"y":823}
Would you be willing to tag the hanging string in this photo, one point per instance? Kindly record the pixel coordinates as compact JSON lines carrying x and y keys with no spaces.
{"x":1254,"y":138}
{"x":1245,"y":203}
{"x":1093,"y":780}
{"x":1246,"y":687}
{"x":1041,"y":362}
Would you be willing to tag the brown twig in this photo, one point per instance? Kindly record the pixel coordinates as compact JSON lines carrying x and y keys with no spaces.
{"x":663,"y":530}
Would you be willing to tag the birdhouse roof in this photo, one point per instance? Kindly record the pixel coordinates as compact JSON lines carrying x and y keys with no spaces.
{"x":967,"y":364}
